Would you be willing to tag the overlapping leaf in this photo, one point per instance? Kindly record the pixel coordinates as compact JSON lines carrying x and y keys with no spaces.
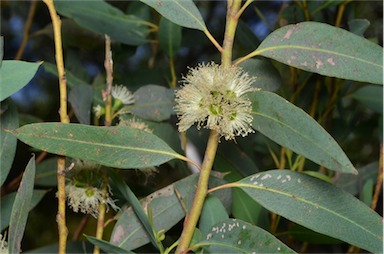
{"x":181,"y":12}
{"x":119,"y":147}
{"x":317,"y":205}
{"x":325,"y":49}
{"x":20,"y":208}
{"x":291,"y":127}
{"x":236,"y":236}
{"x":14,"y":75}
{"x":103,"y":18}
{"x":9,"y":120}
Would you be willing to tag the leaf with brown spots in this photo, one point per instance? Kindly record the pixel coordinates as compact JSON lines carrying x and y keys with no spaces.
{"x":325,"y":49}
{"x":317,"y":205}
{"x":119,"y":146}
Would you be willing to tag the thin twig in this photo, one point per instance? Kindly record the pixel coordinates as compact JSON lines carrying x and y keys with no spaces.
{"x":27,"y":28}
{"x":61,"y":222}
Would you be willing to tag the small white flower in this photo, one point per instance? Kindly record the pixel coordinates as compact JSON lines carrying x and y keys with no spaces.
{"x":3,"y":245}
{"x":216,"y":97}
{"x":99,"y":111}
{"x":122,"y":94}
{"x":87,"y":199}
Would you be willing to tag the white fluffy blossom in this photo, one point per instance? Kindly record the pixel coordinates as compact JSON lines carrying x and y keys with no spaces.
{"x":215,"y":97}
{"x":122,"y":94}
{"x":3,"y":245}
{"x":87,"y":199}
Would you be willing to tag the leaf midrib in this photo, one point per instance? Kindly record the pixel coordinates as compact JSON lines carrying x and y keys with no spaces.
{"x":299,"y":198}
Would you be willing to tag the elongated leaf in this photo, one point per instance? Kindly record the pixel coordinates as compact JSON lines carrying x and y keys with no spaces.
{"x":327,"y":50}
{"x":106,"y":246}
{"x":118,"y":147}
{"x":81,"y":97}
{"x":7,"y":203}
{"x":129,"y":233}
{"x":317,"y":205}
{"x":371,"y":96}
{"x":136,"y":206}
{"x":72,"y":80}
{"x":267,"y":77}
{"x":71,"y":247}
{"x":14,"y":75}
{"x":354,"y":183}
{"x":167,"y":210}
{"x":236,"y":236}
{"x":9,"y":120}
{"x":169,"y":37}
{"x":245,"y":208}
{"x":20,"y":208}
{"x":103,"y":18}
{"x":213,"y":212}
{"x":153,"y":102}
{"x":181,"y":12}
{"x":291,"y":127}
{"x":46,"y":173}
{"x":358,"y":26}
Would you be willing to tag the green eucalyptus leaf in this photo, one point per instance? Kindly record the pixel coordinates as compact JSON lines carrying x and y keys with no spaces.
{"x":20,"y":208}
{"x":129,"y":233}
{"x":71,"y":247}
{"x":167,"y":206}
{"x":136,"y":206}
{"x":119,"y":147}
{"x":325,"y":49}
{"x":14,"y":75}
{"x":304,"y":234}
{"x":169,"y":37}
{"x":81,"y":98}
{"x":213,"y":212}
{"x":103,"y":18}
{"x":267,"y":77}
{"x":317,"y":205}
{"x":7,"y":203}
{"x":236,"y":236}
{"x":358,"y":26}
{"x":9,"y":121}
{"x":46,"y":173}
{"x":291,"y":127}
{"x":181,"y":12}
{"x":246,"y":209}
{"x":72,"y":80}
{"x":354,"y":183}
{"x":371,"y":96}
{"x":106,"y":246}
{"x":153,"y":102}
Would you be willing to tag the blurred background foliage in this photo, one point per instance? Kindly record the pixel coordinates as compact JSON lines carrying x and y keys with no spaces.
{"x":352,"y":117}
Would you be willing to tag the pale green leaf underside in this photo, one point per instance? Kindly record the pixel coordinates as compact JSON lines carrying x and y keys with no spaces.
{"x":181,"y":12}
{"x":291,"y":127}
{"x":317,"y":205}
{"x":119,"y":147}
{"x":325,"y":49}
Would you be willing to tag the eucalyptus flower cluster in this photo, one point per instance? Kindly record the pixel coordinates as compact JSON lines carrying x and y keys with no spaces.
{"x":215,"y":97}
{"x":3,"y":245}
{"x":83,"y":189}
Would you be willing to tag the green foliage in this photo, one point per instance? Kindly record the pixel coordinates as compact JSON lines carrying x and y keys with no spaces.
{"x":291,"y":127}
{"x":324,"y":129}
{"x":15,"y":75}
{"x":127,"y":148}
{"x":308,"y":46}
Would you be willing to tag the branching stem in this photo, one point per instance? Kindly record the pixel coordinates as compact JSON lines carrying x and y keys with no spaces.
{"x":61,"y":222}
